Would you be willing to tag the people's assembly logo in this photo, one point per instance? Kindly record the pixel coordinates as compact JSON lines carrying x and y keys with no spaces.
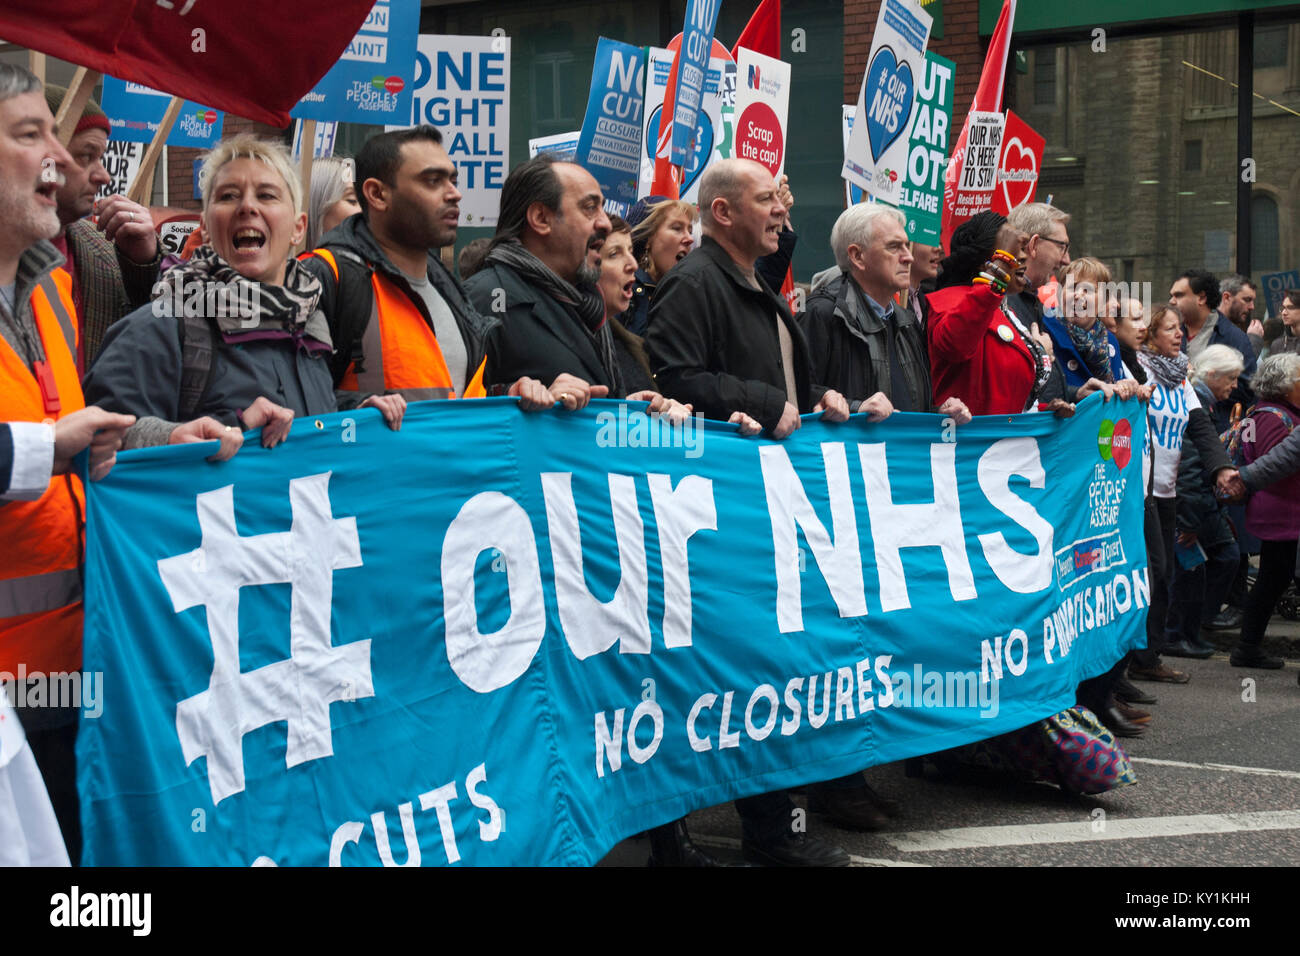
{"x":199,"y":124}
{"x":1115,"y":442}
{"x":393,"y":84}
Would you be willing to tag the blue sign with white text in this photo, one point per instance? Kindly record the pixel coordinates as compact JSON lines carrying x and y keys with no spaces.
{"x":135,"y":112}
{"x":692,"y":66}
{"x":578,"y":625}
{"x":371,"y":82}
{"x":609,"y":145}
{"x":1275,"y":287}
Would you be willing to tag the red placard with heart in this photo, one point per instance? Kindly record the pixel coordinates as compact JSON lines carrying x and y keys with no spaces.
{"x":1019,"y":166}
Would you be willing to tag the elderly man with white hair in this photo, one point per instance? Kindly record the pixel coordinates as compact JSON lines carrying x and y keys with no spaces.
{"x":862,"y":344}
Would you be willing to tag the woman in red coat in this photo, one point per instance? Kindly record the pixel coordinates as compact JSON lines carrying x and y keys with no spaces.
{"x":979,"y":349}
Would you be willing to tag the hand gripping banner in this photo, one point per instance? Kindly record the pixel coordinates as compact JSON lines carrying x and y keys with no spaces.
{"x":499,"y":637}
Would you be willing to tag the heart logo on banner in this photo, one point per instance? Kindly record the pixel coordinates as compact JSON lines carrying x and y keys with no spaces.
{"x":695,"y":163}
{"x":889,"y":95}
{"x":1024,"y":162}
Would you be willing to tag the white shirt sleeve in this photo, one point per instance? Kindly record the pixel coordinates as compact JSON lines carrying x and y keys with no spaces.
{"x":33,"y":460}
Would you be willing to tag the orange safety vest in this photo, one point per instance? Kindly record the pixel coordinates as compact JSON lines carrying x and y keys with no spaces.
{"x":40,"y":563}
{"x":402,"y":354}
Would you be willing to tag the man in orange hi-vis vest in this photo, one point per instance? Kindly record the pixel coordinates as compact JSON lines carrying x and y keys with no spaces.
{"x":400,"y":321}
{"x":43,"y":536}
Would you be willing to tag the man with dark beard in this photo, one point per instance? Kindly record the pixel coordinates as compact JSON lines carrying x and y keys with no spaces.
{"x":400,"y":321}
{"x":539,"y":281}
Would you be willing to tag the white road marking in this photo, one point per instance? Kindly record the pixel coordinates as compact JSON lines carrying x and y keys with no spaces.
{"x":968,"y":838}
{"x":730,"y":843}
{"x":1260,"y":771}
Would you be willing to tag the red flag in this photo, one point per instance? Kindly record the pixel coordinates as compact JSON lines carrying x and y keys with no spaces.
{"x":988,"y":98}
{"x":219,"y":54}
{"x":668,"y":178}
{"x":762,"y":33}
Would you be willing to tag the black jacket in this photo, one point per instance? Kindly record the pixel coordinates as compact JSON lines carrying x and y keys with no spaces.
{"x":1198,"y":508}
{"x":772,"y":268}
{"x":713,"y":341}
{"x":541,"y":338}
{"x":850,"y":347}
{"x":346,"y":302}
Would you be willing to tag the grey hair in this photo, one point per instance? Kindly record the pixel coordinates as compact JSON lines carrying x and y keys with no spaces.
{"x":1276,"y":375}
{"x":722,"y":180}
{"x":17,"y":80}
{"x":1218,"y":361}
{"x":1233,"y":284}
{"x":1037,"y":218}
{"x":858,"y":226}
{"x":330,"y":179}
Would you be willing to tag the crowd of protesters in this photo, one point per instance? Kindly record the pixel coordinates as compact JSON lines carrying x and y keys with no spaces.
{"x":676,"y":305}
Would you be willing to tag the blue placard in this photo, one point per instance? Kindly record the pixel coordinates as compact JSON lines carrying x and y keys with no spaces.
{"x":136,"y":111}
{"x":1275,"y":286}
{"x":578,"y":625}
{"x":692,"y":68}
{"x":371,"y":82}
{"x":609,"y":145}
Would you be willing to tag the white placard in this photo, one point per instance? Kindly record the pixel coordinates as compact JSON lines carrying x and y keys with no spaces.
{"x":462,"y":87}
{"x":762,"y":109}
{"x":878,"y":145}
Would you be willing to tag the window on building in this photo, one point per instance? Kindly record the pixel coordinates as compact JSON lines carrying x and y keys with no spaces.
{"x":553,"y":88}
{"x":1045,"y":76}
{"x":1265,"y":255}
{"x":1192,"y":156}
{"x":1270,"y":47}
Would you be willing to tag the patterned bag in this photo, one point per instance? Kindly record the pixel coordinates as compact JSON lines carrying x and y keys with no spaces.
{"x":1072,"y":749}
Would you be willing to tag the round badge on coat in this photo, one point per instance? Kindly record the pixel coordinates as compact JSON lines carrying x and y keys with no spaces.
{"x":1005,"y":333}
{"x":1073,"y":365}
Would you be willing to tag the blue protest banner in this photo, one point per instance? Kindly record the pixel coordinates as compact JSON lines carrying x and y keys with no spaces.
{"x":577,"y":625}
{"x":693,"y":63}
{"x":371,"y":82}
{"x":1275,"y":286}
{"x":609,"y":145}
{"x":136,"y":111}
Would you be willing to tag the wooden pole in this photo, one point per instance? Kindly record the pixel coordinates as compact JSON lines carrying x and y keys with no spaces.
{"x":74,"y":101}
{"x":308,"y":145}
{"x":142,"y":188}
{"x":36,"y":63}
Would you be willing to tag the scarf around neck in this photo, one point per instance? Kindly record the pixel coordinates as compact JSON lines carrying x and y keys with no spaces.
{"x":1042,"y":366}
{"x":244,"y":309}
{"x":1093,"y":346}
{"x":1169,"y":372}
{"x":583,"y":301}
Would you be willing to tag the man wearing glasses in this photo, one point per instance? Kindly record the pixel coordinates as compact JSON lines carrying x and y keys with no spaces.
{"x":1047,"y":252}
